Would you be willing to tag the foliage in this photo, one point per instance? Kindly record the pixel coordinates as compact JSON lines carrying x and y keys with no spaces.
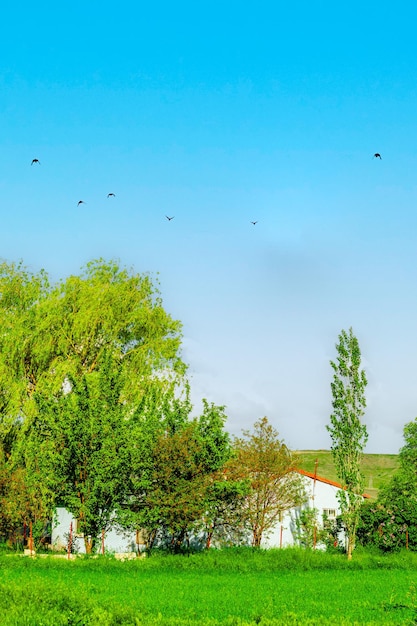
{"x":176,"y":464}
{"x":383,"y":527}
{"x":22,"y":506}
{"x":311,"y":532}
{"x":392,"y":523}
{"x":224,"y":516}
{"x":77,"y":359}
{"x":50,"y":332}
{"x":23,"y":357}
{"x":348,"y":434}
{"x":308,"y":528}
{"x":224,"y":497}
{"x":265,"y":462}
{"x":161,"y":412}
{"x":408,"y":453}
{"x":71,"y":543}
{"x":79,"y":440}
{"x":179,"y":483}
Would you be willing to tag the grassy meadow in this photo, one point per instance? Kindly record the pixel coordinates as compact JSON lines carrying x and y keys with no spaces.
{"x":377,"y":468}
{"x":237,"y":587}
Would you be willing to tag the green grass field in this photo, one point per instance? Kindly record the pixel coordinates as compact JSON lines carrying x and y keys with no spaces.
{"x":231,"y":587}
{"x":377,"y":468}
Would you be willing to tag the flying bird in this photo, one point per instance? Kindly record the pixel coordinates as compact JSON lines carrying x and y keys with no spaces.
{"x":35,"y":161}
{"x":80,"y":202}
{"x":169,"y":218}
{"x":111,"y":195}
{"x":254,"y":222}
{"x":377,"y":155}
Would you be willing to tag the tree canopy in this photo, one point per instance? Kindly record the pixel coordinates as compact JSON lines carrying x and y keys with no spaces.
{"x":77,"y":360}
{"x":391,"y":522}
{"x":52,"y":331}
{"x":269,"y":466}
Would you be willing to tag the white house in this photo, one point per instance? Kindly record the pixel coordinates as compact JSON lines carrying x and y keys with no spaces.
{"x":321,"y":495}
{"x":113,"y":540}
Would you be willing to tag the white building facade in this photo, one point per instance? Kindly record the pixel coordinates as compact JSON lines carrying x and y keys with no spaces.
{"x":321,"y":495}
{"x":113,"y":540}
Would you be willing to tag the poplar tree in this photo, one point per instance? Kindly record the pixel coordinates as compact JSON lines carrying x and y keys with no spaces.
{"x":348,"y":434}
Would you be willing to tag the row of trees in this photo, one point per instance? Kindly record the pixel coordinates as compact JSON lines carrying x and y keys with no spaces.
{"x":95,"y":415}
{"x":390,"y":523}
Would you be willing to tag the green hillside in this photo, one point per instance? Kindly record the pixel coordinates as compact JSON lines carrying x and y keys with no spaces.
{"x":377,"y":468}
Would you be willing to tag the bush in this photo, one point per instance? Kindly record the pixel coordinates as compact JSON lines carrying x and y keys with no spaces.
{"x":382,"y":527}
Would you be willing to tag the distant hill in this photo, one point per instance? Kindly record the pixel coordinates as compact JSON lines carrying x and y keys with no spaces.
{"x":377,"y":468}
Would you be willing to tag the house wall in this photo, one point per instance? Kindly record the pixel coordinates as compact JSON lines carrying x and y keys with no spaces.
{"x":321,"y":496}
{"x":114,"y":540}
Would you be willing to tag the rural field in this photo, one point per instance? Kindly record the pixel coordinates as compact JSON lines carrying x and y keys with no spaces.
{"x":376,"y":468}
{"x":236,"y":587}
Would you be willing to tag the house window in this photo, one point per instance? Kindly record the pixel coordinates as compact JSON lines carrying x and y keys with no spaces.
{"x":329,"y":513}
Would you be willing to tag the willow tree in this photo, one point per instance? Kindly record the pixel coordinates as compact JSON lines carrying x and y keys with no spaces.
{"x":50,"y":332}
{"x":348,"y":433}
{"x":23,"y":359}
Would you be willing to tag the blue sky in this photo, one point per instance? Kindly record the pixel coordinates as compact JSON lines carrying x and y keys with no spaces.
{"x":221,"y":114}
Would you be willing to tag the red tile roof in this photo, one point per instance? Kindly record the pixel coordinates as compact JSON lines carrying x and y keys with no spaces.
{"x":321,"y":479}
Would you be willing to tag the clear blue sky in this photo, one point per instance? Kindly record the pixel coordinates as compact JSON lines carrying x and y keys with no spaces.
{"x":223,"y":113}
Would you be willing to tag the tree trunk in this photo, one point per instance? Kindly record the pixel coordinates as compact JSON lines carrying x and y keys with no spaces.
{"x":257,"y":537}
{"x":209,"y":536}
{"x":350,"y":547}
{"x":151,"y":539}
{"x":89,"y":544}
{"x":178,"y":540}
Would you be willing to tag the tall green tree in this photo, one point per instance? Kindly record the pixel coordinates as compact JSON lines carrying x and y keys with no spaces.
{"x":161,"y":414}
{"x":79,"y":444}
{"x":224,"y":520}
{"x":269,"y":467}
{"x":23,"y":359}
{"x":177,"y":461}
{"x":393,"y":522}
{"x":55,"y":342}
{"x":408,"y":452}
{"x":348,"y":433}
{"x":179,"y":483}
{"x":224,"y":497}
{"x":50,"y":332}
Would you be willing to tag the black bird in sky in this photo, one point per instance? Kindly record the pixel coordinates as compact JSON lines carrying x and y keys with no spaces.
{"x":35,"y":161}
{"x":377,"y":155}
{"x":80,"y":202}
{"x":254,"y":222}
{"x":111,"y":195}
{"x":169,"y":218}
